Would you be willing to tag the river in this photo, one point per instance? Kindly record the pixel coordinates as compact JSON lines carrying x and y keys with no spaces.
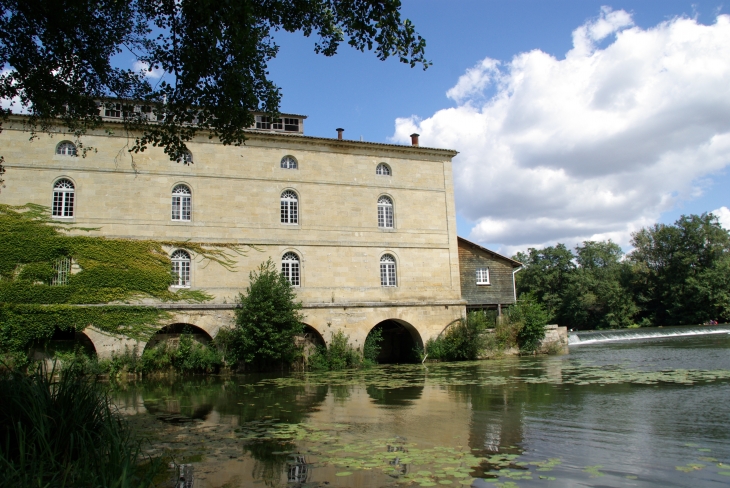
{"x":638,"y":411}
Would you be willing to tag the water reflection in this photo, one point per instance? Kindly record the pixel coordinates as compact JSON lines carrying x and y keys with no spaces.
{"x":631,"y":409}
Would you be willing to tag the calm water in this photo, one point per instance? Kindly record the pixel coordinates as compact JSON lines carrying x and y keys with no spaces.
{"x":646,"y":412}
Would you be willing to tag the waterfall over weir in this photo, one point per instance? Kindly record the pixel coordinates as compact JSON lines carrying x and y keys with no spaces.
{"x":594,"y":336}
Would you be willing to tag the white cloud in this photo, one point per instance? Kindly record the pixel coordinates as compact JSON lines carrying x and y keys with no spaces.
{"x":142,"y":67}
{"x":723,"y":215}
{"x":592,"y":146}
{"x":474,"y":80}
{"x":14,"y":104}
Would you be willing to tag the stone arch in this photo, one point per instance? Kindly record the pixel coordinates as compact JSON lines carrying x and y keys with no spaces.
{"x":63,"y":340}
{"x":310,"y":339}
{"x":400,"y":338}
{"x":171,"y":333}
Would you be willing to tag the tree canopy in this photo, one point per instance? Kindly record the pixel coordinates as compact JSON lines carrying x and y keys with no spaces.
{"x":675,"y":275}
{"x":57,"y":59}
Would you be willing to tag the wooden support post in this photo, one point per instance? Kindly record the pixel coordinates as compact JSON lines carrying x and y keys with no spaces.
{"x":499,"y":310}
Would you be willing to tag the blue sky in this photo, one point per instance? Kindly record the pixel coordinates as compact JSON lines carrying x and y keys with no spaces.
{"x":366,"y":96}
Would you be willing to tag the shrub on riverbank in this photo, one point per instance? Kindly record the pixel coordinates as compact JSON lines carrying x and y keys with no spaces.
{"x":65,"y":433}
{"x":186,"y":357}
{"x":463,"y":341}
{"x":339,"y":355}
{"x":267,"y":322}
{"x":532,"y":319}
{"x":373,"y":345}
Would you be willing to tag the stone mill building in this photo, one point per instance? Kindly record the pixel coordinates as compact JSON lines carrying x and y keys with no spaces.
{"x":366,"y":232}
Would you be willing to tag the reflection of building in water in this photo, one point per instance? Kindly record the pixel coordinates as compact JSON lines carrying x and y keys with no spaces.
{"x":298,"y":469}
{"x":495,"y":423}
{"x":407,"y":412}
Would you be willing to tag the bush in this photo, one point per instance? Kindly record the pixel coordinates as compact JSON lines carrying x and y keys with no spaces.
{"x":65,"y":433}
{"x":505,"y":333}
{"x":189,"y":356}
{"x":533,"y":318}
{"x":372,"y":347}
{"x":267,"y":321}
{"x":340,"y":355}
{"x":463,"y":341}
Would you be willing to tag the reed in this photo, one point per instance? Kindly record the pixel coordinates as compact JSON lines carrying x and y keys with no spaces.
{"x":61,"y":430}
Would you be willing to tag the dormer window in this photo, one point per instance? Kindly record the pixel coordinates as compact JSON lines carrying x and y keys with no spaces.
{"x":285,"y":124}
{"x":113,"y":110}
{"x":291,"y":125}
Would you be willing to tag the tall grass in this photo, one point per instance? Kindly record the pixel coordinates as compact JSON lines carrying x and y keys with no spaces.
{"x":64,"y":432}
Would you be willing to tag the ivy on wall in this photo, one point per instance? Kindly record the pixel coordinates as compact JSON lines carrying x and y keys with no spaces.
{"x":107,"y":274}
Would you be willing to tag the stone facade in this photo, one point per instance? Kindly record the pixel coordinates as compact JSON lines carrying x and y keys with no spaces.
{"x":497,"y":287}
{"x":236,"y":195}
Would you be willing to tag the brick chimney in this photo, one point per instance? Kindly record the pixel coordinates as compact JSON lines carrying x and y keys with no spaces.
{"x":339,"y":134}
{"x":414,"y":139}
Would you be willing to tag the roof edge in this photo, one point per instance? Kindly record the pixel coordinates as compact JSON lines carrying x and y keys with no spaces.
{"x":515,"y":264}
{"x":328,"y":140}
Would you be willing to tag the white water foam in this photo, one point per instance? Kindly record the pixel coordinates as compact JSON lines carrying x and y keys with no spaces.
{"x":574,"y":339}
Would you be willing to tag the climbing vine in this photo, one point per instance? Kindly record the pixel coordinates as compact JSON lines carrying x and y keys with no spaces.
{"x":104,"y":287}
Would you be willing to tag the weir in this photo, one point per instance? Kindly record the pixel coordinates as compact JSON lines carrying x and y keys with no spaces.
{"x":594,"y":336}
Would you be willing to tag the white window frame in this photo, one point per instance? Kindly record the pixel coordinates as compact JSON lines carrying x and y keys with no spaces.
{"x":289,"y":207}
{"x":383,"y":170}
{"x":385,"y":212}
{"x":66,"y":148}
{"x":291,"y":268}
{"x":181,"y":265}
{"x":289,"y":162}
{"x":182,"y":203}
{"x":62,"y":269}
{"x":113,"y":110}
{"x":483,"y":276}
{"x":388,"y":271}
{"x":64,"y":196}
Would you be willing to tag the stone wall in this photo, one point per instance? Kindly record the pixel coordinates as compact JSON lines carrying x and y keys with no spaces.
{"x":236,"y":200}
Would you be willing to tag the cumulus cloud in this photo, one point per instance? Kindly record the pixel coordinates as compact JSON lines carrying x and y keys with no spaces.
{"x":592,"y":146}
{"x":723,"y":215}
{"x":142,"y":67}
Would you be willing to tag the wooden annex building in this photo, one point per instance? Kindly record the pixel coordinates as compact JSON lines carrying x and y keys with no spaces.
{"x":487,"y":278}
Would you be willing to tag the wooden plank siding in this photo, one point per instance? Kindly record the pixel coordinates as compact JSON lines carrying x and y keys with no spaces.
{"x":500,"y":291}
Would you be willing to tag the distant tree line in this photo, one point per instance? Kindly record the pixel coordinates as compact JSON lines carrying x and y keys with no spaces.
{"x":675,"y":275}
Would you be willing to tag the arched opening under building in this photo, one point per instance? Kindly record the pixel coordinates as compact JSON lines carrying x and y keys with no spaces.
{"x":63,"y":343}
{"x":170,"y":334}
{"x":309,"y":340}
{"x":400,"y":341}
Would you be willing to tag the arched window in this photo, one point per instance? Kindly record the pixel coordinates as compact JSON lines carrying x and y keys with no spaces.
{"x":63,"y":198}
{"x":66,"y":148}
{"x":385,"y":212}
{"x":288,"y":162}
{"x":182,"y":203}
{"x":180,"y":268}
{"x":289,"y":208}
{"x":387,"y":270}
{"x":382,"y":169}
{"x":290,"y":268}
